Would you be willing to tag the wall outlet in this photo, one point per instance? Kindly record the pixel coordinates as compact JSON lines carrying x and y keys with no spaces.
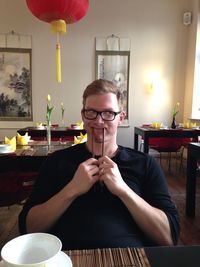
{"x":187,"y":18}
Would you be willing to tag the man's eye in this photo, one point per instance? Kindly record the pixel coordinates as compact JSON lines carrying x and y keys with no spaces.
{"x":108,"y":113}
{"x":91,"y":112}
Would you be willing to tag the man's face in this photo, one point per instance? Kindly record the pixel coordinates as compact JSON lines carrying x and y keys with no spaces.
{"x":104,"y":102}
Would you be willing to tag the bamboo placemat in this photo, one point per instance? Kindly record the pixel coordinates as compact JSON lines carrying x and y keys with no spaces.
{"x":115,"y":257}
{"x":25,"y":152}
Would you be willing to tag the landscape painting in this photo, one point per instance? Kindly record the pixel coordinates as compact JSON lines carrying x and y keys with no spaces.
{"x":15,"y":84}
{"x":114,"y":66}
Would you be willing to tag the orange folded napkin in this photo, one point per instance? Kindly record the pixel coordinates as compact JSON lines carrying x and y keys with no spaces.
{"x":39,"y":125}
{"x":11,"y":142}
{"x":77,"y":125}
{"x":80,"y":125}
{"x":81,"y":139}
{"x":23,"y":139}
{"x":186,"y":125}
{"x":156,"y":125}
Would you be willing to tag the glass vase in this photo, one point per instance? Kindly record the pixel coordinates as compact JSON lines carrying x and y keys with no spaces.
{"x":174,"y":125}
{"x":62,"y":122}
{"x":48,"y":134}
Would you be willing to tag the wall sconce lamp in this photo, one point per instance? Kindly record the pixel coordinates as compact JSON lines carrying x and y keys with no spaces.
{"x":150,"y":87}
{"x":154,"y":82}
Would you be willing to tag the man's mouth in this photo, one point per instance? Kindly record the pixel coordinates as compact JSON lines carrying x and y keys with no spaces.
{"x":98,"y":133}
{"x":98,"y":130}
{"x":98,"y":137}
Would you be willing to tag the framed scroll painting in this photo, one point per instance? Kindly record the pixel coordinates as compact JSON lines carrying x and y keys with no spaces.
{"x":15,"y":84}
{"x":114,"y":66}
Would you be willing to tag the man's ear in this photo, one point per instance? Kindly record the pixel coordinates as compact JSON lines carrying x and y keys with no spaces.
{"x":122,"y":115}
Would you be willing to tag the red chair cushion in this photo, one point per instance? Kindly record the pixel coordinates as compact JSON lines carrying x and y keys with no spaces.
{"x":165,"y":144}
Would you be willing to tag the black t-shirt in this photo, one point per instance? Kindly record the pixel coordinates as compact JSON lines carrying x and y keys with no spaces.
{"x":99,"y":219}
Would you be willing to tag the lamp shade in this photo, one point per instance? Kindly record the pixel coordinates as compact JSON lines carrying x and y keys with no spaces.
{"x":49,"y":10}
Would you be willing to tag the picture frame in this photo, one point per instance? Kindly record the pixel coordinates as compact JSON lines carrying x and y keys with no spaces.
{"x":114,"y":66}
{"x":16,"y":84}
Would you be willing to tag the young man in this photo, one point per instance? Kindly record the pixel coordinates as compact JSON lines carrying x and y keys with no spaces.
{"x":99,"y":194}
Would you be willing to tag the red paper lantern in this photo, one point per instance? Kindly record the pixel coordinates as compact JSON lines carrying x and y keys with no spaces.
{"x":58,"y":13}
{"x":68,"y":10}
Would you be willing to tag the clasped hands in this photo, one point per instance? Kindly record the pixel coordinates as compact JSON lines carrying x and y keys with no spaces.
{"x":103,"y":170}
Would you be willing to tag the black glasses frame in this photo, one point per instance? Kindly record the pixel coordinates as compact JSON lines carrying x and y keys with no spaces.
{"x":100,"y":113}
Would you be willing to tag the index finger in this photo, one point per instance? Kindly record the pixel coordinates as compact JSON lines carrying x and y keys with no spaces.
{"x":105,"y":159}
{"x":91,"y":161}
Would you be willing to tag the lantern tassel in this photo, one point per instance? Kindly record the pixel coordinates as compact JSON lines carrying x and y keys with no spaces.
{"x":58,"y":27}
{"x":58,"y":63}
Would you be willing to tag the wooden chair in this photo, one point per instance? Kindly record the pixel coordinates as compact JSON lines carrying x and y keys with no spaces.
{"x":166,"y":145}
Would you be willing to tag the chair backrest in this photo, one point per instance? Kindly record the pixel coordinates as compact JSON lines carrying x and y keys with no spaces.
{"x":186,"y":141}
{"x":162,"y":144}
{"x":15,"y":184}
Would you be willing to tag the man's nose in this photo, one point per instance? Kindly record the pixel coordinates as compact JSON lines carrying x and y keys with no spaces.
{"x":99,"y":118}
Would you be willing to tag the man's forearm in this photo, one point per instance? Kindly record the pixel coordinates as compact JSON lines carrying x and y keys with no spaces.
{"x":43,"y":216}
{"x":152,"y":221}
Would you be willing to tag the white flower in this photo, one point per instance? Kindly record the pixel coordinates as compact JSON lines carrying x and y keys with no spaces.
{"x":175,"y":109}
{"x":49,"y":109}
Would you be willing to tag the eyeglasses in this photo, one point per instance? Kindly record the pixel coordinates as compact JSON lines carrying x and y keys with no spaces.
{"x":91,"y":114}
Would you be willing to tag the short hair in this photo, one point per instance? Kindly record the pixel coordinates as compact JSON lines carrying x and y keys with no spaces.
{"x":102,"y":86}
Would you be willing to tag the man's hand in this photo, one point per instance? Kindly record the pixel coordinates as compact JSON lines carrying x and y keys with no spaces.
{"x":85,"y":177}
{"x":110,"y":175}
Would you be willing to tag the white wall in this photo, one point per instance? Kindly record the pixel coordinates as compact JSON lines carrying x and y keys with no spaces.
{"x":158,"y":43}
{"x":190,"y":65}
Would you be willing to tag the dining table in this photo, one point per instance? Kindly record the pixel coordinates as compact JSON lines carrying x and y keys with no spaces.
{"x":57,"y":132}
{"x":31,"y":156}
{"x":192,"y":157}
{"x":19,"y":169}
{"x":160,"y":256}
{"x":147,"y":132}
{"x":40,"y":148}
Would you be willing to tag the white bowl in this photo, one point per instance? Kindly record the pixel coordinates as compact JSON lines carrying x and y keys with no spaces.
{"x":31,"y":250}
{"x":5,"y":148}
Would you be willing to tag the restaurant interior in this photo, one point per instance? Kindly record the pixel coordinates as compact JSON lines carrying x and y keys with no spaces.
{"x":163,"y":54}
{"x":156,"y":45}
